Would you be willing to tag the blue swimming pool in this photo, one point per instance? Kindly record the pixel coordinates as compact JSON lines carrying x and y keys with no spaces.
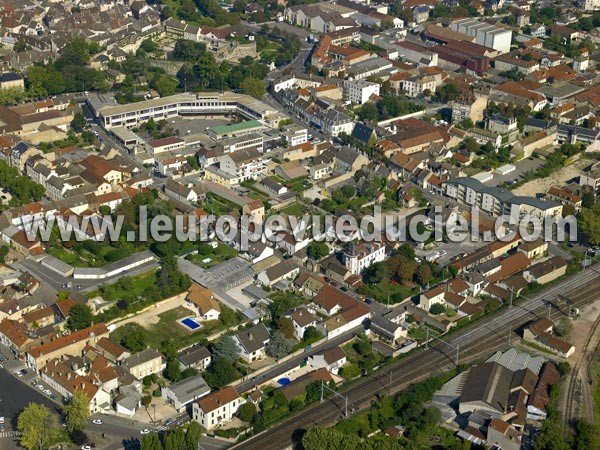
{"x":190,"y":323}
{"x":284,"y":381}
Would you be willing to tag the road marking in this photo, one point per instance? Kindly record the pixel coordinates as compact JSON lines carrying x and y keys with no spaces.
{"x":8,"y":434}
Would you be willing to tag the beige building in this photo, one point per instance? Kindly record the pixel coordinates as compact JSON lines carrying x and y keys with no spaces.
{"x":11,"y":80}
{"x":526,"y":147}
{"x":144,"y":363}
{"x":72,"y":344}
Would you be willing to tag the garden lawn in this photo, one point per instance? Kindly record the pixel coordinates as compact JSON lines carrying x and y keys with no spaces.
{"x":387,"y":291}
{"x":115,"y":292}
{"x":222,"y":253}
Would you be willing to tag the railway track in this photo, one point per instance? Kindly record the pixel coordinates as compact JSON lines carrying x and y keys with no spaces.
{"x":479,"y":340}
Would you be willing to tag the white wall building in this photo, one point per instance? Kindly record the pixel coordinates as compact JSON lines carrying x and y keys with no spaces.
{"x":485,"y":34}
{"x":360,"y":256}
{"x":359,"y":91}
{"x":217,"y":408}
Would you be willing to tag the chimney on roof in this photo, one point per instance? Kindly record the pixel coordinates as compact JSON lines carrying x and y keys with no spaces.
{"x":250,"y":336}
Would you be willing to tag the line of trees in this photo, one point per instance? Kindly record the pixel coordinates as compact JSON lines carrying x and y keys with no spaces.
{"x":174,"y":439}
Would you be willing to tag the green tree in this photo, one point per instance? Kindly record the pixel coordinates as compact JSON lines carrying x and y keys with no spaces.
{"x":247,"y":411}
{"x":350,"y":371}
{"x":38,"y":426}
{"x":4,"y":249}
{"x":589,"y":222}
{"x":220,"y":373}
{"x":437,"y":308}
{"x":406,"y":270}
{"x":368,"y":112}
{"x":321,"y":438}
{"x":423,"y":274}
{"x":78,"y":123}
{"x":278,"y":347}
{"x":284,"y":324}
{"x":173,"y":370}
{"x":80,"y":317}
{"x":150,"y":441}
{"x":253,"y":86}
{"x":588,"y":200}
{"x":165,"y":85}
{"x":317,"y":250}
{"x":20,"y":46}
{"x":175,"y":439}
{"x":135,"y":341}
{"x":148,"y":45}
{"x":311,"y":333}
{"x":77,"y":411}
{"x":226,"y":349}
{"x":193,"y":435}
{"x":228,"y":316}
{"x":11,"y":96}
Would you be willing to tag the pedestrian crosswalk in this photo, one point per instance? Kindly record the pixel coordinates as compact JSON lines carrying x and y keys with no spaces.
{"x":9,"y":434}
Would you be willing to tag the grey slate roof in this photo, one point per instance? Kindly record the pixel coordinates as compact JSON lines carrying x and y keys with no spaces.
{"x":254,"y":338}
{"x":193,"y":355}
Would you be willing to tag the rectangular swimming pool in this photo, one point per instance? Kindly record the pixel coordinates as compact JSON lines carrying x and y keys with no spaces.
{"x":190,"y":323}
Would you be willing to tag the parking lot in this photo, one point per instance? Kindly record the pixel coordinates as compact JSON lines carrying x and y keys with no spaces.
{"x":521,"y":168}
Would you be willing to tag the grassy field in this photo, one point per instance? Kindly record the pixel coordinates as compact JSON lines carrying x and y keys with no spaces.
{"x":167,"y":329}
{"x":222,"y":253}
{"x":67,"y":256}
{"x":295,"y":209}
{"x":385,"y":292}
{"x":126,"y":289}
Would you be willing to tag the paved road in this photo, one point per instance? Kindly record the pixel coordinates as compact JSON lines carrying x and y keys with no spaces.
{"x":477,"y":341}
{"x":297,"y":360}
{"x":14,"y":397}
{"x":56,"y":282}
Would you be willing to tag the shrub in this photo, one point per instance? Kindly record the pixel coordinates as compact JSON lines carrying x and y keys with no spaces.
{"x":437,"y":309}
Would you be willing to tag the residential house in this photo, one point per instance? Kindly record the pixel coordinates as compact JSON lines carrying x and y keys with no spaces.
{"x":66,"y":382}
{"x":540,"y":332}
{"x":284,"y":271}
{"x":217,"y":409}
{"x":144,"y":363}
{"x":332,"y":359}
{"x":546,"y":271}
{"x":302,"y":318}
{"x":13,"y":335}
{"x":112,"y":351}
{"x":196,"y":357}
{"x":70,"y":344}
{"x":202,"y":301}
{"x":565,"y":197}
{"x":347,"y":319}
{"x":252,"y":342}
{"x":357,"y":257}
{"x":39,"y":318}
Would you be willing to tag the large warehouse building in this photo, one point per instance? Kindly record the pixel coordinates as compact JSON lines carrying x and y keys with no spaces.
{"x":485,"y":34}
